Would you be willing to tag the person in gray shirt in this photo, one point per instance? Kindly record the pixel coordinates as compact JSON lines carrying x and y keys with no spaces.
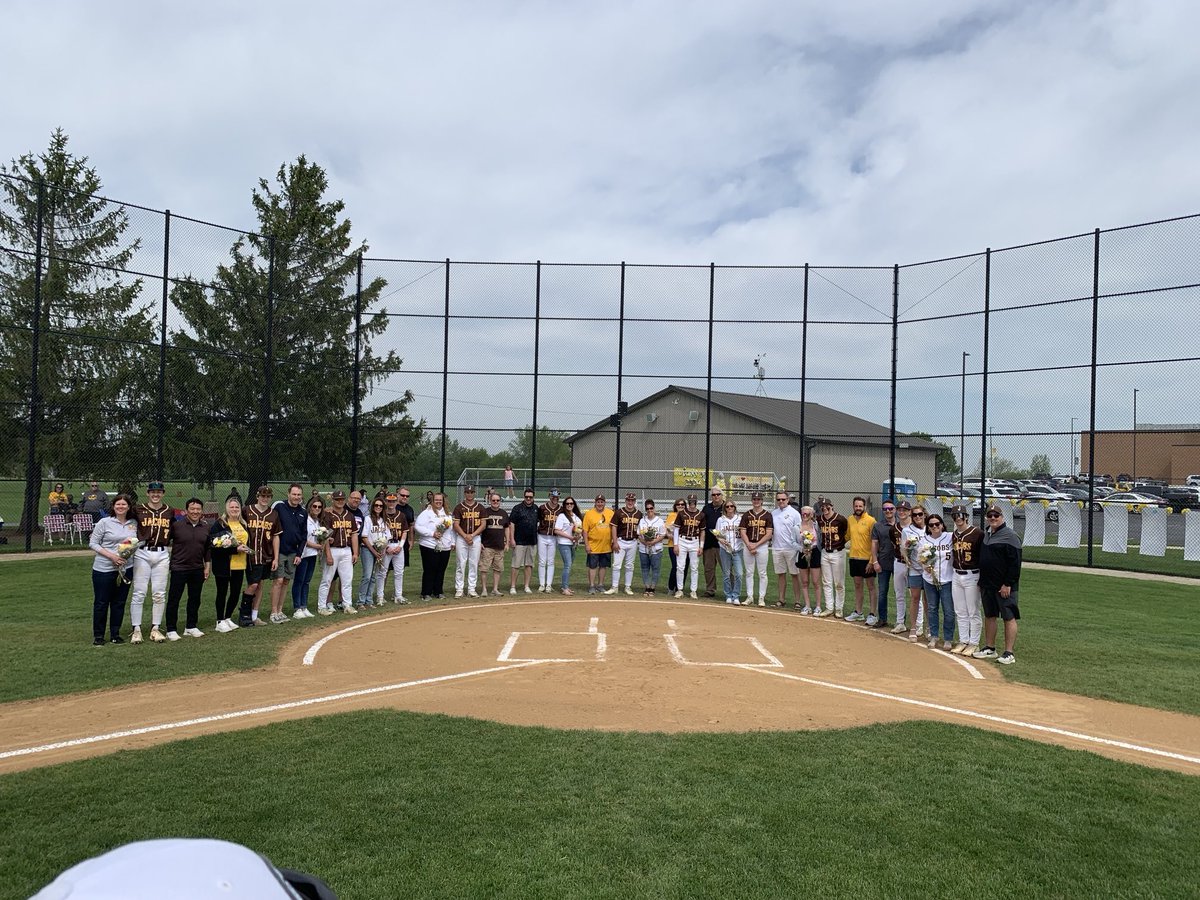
{"x":883,"y":556}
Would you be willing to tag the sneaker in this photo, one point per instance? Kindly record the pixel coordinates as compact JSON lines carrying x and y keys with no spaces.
{"x":629,"y":591}
{"x":529,"y":590}
{"x":914,"y":638}
{"x":97,"y":642}
{"x":222,"y":627}
{"x":855,"y":616}
{"x":400,"y":601}
{"x":157,"y":636}
{"x":423,"y":597}
{"x":985,"y":653}
{"x":117,"y":639}
{"x":970,"y":649}
{"x":933,"y":643}
{"x":567,"y":592}
{"x":172,"y":635}
{"x":513,"y":591}
{"x":837,"y":614}
{"x":484,"y":593}
{"x":872,"y":620}
{"x":693,"y":595}
{"x":347,"y":608}
{"x":300,"y":614}
{"x":762,"y":602}
{"x":821,"y":613}
{"x":193,"y":632}
{"x":900,"y":629}
{"x":232,"y":625}
{"x":1005,"y":658}
{"x":729,"y":600}
{"x":321,"y":611}
{"x":308,"y":614}
{"x":678,"y":594}
{"x":957,"y":648}
{"x":458,"y":595}
{"x":806,"y":611}
{"x":737,"y":602}
{"x":610,"y":591}
{"x":136,"y":637}
{"x":474,"y":594}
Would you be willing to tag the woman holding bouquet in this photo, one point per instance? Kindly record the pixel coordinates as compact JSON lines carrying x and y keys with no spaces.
{"x":372,"y":541}
{"x":729,"y":546}
{"x":650,"y":547}
{"x":938,"y":574}
{"x":911,"y":536}
{"x":113,"y":540}
{"x":313,"y":544}
{"x":568,"y":531}
{"x":673,"y":578}
{"x":230,"y":538}
{"x":435,"y":538}
{"x":808,"y":560}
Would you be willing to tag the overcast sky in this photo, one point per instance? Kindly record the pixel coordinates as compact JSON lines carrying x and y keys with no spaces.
{"x":671,"y":132}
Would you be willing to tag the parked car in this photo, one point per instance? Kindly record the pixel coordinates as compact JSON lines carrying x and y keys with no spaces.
{"x":1039,"y":494}
{"x":1193,"y":480}
{"x":1128,"y":498}
{"x":1181,"y":496}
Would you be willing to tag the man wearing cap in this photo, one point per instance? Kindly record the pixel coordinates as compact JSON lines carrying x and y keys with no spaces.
{"x":468,"y":526}
{"x":546,"y":549}
{"x":626,"y":522}
{"x":756,"y":529}
{"x":713,"y":510}
{"x":860,"y":524}
{"x":999,"y":578}
{"x":399,"y":534}
{"x":262,"y":524}
{"x":689,"y":531}
{"x":151,"y":562}
{"x":525,"y":518}
{"x":495,"y":538}
{"x":835,"y":531}
{"x":404,"y":507}
{"x":966,"y":542}
{"x":785,"y":546}
{"x":597,"y":535}
{"x":341,"y":553}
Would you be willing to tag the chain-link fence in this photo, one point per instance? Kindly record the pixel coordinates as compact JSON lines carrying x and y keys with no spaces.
{"x":140,"y":344}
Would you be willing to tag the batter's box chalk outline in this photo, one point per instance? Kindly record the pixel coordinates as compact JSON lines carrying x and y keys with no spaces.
{"x":510,"y":645}
{"x":771,"y":661}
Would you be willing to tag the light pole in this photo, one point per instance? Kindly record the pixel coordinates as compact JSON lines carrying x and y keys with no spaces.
{"x":1133,"y":474}
{"x":962,"y":424}
{"x":1073,"y":418}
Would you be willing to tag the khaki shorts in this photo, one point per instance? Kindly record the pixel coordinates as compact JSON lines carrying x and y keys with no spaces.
{"x":785,"y":561}
{"x":524,"y":555}
{"x":491,"y":560}
{"x":286,"y":570}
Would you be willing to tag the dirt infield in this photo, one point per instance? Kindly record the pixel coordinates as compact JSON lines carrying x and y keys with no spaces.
{"x":613,"y":664}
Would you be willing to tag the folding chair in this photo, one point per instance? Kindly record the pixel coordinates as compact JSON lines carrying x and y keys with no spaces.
{"x":81,"y":526}
{"x":55,"y":524}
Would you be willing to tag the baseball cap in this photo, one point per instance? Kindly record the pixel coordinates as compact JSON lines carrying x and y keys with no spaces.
{"x":631,"y":496}
{"x":553,"y":492}
{"x":692,"y":497}
{"x":757,"y":495}
{"x":903,"y":504}
{"x":155,"y":486}
{"x":469,"y":489}
{"x":390,"y":496}
{"x":599,"y":496}
{"x":264,"y":490}
{"x":958,"y":512}
{"x":995,"y":509}
{"x":338,"y":495}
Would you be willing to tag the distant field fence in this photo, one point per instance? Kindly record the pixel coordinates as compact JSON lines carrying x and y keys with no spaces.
{"x":224,"y":367}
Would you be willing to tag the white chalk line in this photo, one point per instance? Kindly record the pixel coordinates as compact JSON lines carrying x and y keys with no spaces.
{"x":975,"y":673}
{"x":677,"y":654}
{"x":1031,"y":726}
{"x":258,"y":711}
{"x":511,"y":643}
{"x":594,"y":625}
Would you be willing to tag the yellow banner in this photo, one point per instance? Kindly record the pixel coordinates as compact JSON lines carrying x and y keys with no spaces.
{"x":751,"y":482}
{"x":692,"y":478}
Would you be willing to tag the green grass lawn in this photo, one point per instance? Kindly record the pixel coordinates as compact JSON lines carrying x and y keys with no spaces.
{"x":1120,"y":639}
{"x":1171,"y":564}
{"x":389,"y":804}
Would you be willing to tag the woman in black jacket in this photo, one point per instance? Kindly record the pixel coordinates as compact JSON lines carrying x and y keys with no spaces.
{"x":229,"y":538}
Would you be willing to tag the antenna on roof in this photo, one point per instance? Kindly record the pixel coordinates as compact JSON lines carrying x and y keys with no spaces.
{"x":760,"y":375}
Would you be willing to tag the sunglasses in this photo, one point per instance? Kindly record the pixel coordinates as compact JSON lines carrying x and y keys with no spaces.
{"x":889,"y":509}
{"x":404,"y":496}
{"x":994,"y":516}
{"x":316,"y":506}
{"x":918,"y":515}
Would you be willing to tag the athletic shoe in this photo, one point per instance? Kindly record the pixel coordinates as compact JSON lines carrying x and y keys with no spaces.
{"x":308,"y":613}
{"x":872,"y":620}
{"x":985,"y":653}
{"x":440,"y":597}
{"x":837,"y":614}
{"x":914,"y":638}
{"x":855,"y":616}
{"x":400,"y":601}
{"x":958,"y":648}
{"x":629,"y":591}
{"x":762,"y":602}
{"x":458,"y":595}
{"x":933,"y":642}
{"x":222,"y":627}
{"x":678,"y":594}
{"x":735,"y":601}
{"x":900,"y":629}
{"x":1006,"y":659}
{"x":970,"y":649}
{"x":157,"y":636}
{"x":172,"y":635}
{"x":693,"y":595}
{"x":513,"y":591}
{"x":117,"y":639}
{"x":347,"y":608}
{"x":97,"y":642}
{"x":324,"y":611}
{"x":821,"y":613}
{"x":136,"y":637}
{"x":529,"y":590}
{"x":482,"y":593}
{"x":232,"y":625}
{"x":567,"y":592}
{"x":610,"y":591}
{"x":426,"y":599}
{"x":300,"y":614}
{"x":806,"y":611}
{"x":474,"y":594}
{"x":193,"y":632}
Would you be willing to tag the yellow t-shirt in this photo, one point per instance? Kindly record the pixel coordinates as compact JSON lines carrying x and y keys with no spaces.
{"x":237,"y":561}
{"x":670,"y":541}
{"x":57,"y":498}
{"x":596,"y":530}
{"x":860,"y":535}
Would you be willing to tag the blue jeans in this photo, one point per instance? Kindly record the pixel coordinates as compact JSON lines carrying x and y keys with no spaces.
{"x":108,"y":603}
{"x":943,"y":598}
{"x":366,"y":590}
{"x":884,"y":578}
{"x":304,"y":574}
{"x":566,"y":552}
{"x":651,"y":568}
{"x":734,"y":567}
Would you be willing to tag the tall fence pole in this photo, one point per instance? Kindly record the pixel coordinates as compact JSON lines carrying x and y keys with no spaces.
{"x":983,"y":426}
{"x":537,"y":333}
{"x":445,"y":379}
{"x":33,"y":467}
{"x":803,"y":480}
{"x":268,"y":365}
{"x":620,"y":371}
{"x":354,"y":421}
{"x":161,"y":417}
{"x":895,"y":360}
{"x":1092,"y":423}
{"x":712,"y":293}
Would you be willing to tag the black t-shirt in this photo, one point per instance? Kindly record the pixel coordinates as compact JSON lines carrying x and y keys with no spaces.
{"x":525,"y":524}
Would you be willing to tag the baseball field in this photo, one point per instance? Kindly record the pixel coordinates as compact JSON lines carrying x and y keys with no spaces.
{"x":543,"y":746}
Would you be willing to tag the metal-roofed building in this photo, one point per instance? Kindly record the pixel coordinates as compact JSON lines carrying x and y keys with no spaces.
{"x":751,"y":439}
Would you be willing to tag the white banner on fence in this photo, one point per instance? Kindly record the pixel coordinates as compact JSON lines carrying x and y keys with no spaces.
{"x":1154,"y":531}
{"x":1116,"y":528}
{"x":1070,"y":524}
{"x":933,"y":507}
{"x":1035,"y":525}
{"x":1191,"y":535}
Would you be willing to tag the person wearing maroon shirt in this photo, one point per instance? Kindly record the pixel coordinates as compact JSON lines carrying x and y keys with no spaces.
{"x":341,"y":553}
{"x":151,"y":562}
{"x":262,"y":521}
{"x":625,"y":524}
{"x":190,"y":568}
{"x":835,"y":532}
{"x":468,"y":524}
{"x":496,"y":538}
{"x":689,"y":530}
{"x":757,"y":528}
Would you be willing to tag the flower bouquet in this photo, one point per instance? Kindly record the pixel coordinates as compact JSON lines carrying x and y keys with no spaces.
{"x":224,"y":542}
{"x":125,"y":550}
{"x":443,"y":524}
{"x":577,"y":530}
{"x":379,"y":542}
{"x":910,"y":543}
{"x":808,"y":540}
{"x":928,"y":558}
{"x":321,"y":534}
{"x":649,"y":533}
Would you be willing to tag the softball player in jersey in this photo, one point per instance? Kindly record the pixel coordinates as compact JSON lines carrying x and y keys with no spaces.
{"x":548,"y":514}
{"x":151,"y":562}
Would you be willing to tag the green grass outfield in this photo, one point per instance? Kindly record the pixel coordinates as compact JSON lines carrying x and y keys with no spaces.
{"x":1119,"y":639}
{"x":385,"y":803}
{"x":391,"y":804}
